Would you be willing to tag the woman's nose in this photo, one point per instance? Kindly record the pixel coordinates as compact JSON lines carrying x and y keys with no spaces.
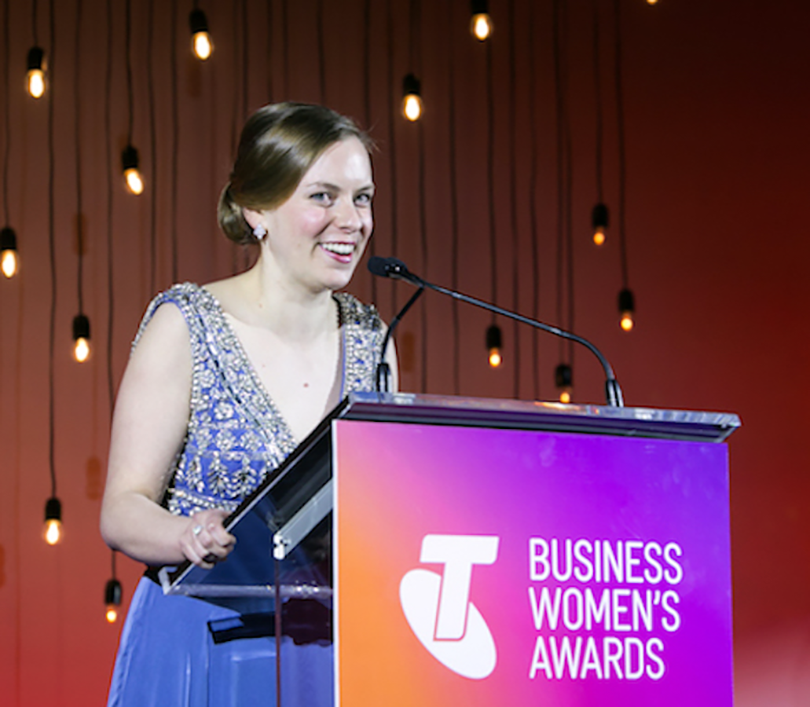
{"x":347,"y":215}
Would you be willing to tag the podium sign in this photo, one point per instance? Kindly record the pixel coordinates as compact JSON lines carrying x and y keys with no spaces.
{"x":483,"y":566}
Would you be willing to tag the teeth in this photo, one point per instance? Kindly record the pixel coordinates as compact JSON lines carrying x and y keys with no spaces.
{"x":339,"y":248}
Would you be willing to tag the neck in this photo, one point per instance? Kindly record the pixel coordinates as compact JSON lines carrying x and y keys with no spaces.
{"x":286,"y":308}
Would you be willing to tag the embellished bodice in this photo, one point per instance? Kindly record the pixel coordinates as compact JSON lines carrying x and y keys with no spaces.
{"x":236,"y":435}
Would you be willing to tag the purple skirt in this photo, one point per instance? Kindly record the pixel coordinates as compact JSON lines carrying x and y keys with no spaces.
{"x":186,"y":652}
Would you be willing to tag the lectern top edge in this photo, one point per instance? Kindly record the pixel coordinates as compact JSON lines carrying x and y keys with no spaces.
{"x":516,"y":414}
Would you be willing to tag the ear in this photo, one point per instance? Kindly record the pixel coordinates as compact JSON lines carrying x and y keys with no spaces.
{"x":252,"y":217}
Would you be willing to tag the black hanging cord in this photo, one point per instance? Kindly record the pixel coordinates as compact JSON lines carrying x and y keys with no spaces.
{"x":533,"y":198}
{"x":175,"y":139}
{"x":321,"y":51}
{"x":559,"y":102}
{"x":245,"y":61}
{"x":150,"y":68}
{"x":110,"y":301}
{"x":128,"y":51}
{"x":451,"y":148}
{"x":620,"y":140}
{"x":78,"y":146}
{"x":270,"y":43}
{"x":108,"y":142}
{"x":493,"y":250}
{"x":367,"y":107}
{"x":34,"y":21}
{"x":513,"y":208}
{"x":597,"y":78}
{"x":52,"y":249}
{"x":6,"y":110}
{"x":285,"y":25}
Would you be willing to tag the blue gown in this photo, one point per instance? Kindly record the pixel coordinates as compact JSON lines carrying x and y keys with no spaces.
{"x":172,"y":651}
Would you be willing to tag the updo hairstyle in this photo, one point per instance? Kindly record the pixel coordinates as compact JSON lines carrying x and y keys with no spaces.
{"x":279,"y":143}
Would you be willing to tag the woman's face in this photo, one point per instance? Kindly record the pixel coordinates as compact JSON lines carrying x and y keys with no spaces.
{"x":318,"y":235}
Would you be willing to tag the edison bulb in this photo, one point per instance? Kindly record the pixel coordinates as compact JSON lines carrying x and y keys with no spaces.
{"x":111,"y":614}
{"x":133,"y":180}
{"x":626,"y":322}
{"x":412,"y":107}
{"x":81,"y":349}
{"x":481,"y":26}
{"x":35,"y":81}
{"x":495,"y":358}
{"x":599,"y":236}
{"x":201,"y":45}
{"x":565,"y":397}
{"x":53,"y":531}
{"x":8,"y":263}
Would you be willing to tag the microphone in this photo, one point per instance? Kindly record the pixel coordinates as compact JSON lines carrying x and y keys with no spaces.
{"x":396,"y":269}
{"x":393,"y":268}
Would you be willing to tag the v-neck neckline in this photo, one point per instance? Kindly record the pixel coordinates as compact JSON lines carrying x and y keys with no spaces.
{"x":256,"y":380}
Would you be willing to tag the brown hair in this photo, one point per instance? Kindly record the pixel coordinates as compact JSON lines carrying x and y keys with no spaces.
{"x":279,"y":144}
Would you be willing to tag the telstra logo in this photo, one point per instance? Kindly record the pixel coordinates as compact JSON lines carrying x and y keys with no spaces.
{"x":438,"y":607}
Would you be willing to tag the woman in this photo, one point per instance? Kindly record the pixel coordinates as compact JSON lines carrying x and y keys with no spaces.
{"x":223,"y":382}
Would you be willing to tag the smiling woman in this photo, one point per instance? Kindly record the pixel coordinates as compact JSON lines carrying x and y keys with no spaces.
{"x":224,"y":380}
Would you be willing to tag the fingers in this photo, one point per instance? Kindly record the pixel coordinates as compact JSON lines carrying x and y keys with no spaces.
{"x":204,"y":540}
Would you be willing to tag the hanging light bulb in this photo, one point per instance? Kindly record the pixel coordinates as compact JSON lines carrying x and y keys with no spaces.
{"x":52,"y":532}
{"x":201,"y":45}
{"x":81,"y":338}
{"x":494,"y":343}
{"x":627,"y":310}
{"x":35,"y":78}
{"x":9,"y":261}
{"x":652,"y":2}
{"x":563,"y":379}
{"x":599,"y":220}
{"x":412,"y":98}
{"x":132,"y":175}
{"x":112,"y":599}
{"x":481,"y":23}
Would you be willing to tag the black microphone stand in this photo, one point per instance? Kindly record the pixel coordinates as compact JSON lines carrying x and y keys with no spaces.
{"x":391,"y":267}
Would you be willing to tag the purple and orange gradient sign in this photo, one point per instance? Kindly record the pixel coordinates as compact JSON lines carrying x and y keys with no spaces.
{"x":501,"y":567}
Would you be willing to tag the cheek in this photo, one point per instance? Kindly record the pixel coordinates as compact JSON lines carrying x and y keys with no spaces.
{"x":312,"y":221}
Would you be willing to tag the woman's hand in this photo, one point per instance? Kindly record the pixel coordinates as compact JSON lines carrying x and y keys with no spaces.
{"x":204,"y":540}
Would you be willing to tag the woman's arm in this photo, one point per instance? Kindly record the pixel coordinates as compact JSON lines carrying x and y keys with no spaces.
{"x":149,"y":426}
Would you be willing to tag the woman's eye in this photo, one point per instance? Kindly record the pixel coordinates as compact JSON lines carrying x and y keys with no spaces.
{"x":322,"y":197}
{"x":363,"y":199}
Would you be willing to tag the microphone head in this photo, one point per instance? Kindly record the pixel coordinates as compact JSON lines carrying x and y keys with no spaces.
{"x":389,"y":267}
{"x":378,"y":266}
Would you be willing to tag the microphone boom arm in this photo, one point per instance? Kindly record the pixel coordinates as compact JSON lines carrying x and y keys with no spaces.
{"x":612,"y":389}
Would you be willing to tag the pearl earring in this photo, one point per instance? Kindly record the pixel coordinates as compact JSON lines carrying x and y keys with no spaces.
{"x":260,"y":232}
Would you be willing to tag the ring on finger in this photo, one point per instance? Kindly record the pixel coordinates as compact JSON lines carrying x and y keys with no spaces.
{"x":197,"y":529}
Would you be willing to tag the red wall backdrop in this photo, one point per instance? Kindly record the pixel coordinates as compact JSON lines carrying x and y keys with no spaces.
{"x":716,"y":108}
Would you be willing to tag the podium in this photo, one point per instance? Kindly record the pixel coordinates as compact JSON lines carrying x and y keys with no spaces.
{"x":429,"y":550}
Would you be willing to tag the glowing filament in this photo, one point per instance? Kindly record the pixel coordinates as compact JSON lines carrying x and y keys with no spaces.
{"x":626,"y":322}
{"x":53,"y":531}
{"x":599,"y":236}
{"x":412,"y":107}
{"x":81,"y":349}
{"x":8,"y":263}
{"x":133,"y":180}
{"x":112,"y":613}
{"x":35,"y":83}
{"x":201,"y":45}
{"x":495,"y":358}
{"x":481,"y":26}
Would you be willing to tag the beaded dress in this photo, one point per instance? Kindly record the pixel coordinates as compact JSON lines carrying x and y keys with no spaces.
{"x":168,"y":654}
